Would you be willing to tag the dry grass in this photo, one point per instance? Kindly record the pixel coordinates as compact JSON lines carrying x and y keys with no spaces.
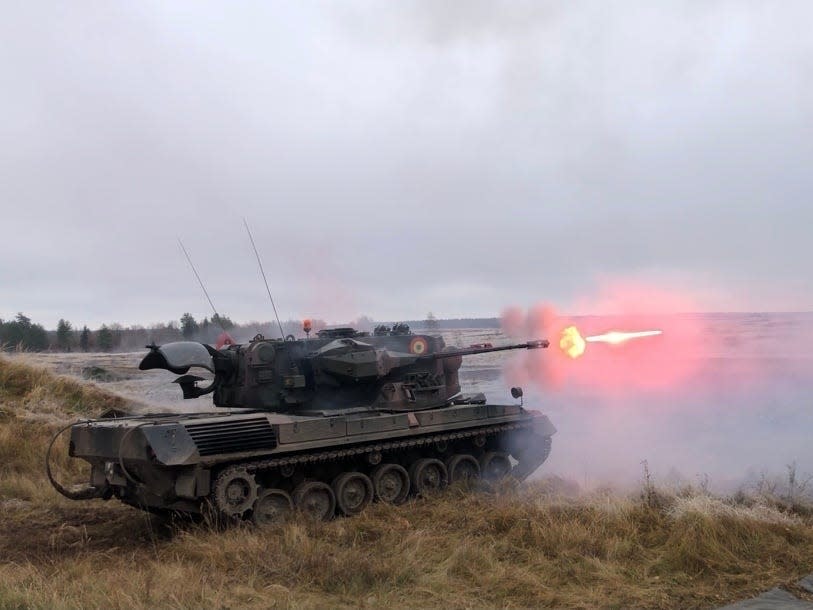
{"x":31,"y":392}
{"x":34,"y":404}
{"x":516,"y":546}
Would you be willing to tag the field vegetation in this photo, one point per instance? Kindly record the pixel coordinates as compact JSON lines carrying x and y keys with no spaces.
{"x":539,"y":544}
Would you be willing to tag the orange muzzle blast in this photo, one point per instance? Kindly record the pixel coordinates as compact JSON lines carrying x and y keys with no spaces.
{"x":573,"y":344}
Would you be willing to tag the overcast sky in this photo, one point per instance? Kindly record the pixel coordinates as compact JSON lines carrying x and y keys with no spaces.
{"x":396,"y":158}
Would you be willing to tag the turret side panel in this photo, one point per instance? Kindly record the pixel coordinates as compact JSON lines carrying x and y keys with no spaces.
{"x":317,"y":429}
{"x":450,"y":415}
{"x":385,"y":423}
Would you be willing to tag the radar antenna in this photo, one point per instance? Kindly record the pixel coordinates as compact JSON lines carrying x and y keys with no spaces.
{"x":262,"y":272}
{"x":195,"y":271}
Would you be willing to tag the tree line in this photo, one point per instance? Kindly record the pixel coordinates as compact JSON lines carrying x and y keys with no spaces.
{"x":21,"y":333}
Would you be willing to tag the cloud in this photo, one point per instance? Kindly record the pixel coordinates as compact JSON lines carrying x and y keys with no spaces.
{"x":403,"y":158}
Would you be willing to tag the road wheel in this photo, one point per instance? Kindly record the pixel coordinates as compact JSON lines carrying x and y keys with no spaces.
{"x":273,"y":506}
{"x":462,"y":467}
{"x":235,"y":491}
{"x":428,"y":475}
{"x":354,"y":491}
{"x":495,"y":465}
{"x":315,"y":499}
{"x":391,"y":483}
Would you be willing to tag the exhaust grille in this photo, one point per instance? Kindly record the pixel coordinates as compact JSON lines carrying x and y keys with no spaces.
{"x":232,"y":436}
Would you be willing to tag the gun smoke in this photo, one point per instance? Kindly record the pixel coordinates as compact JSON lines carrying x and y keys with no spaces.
{"x":719,"y":397}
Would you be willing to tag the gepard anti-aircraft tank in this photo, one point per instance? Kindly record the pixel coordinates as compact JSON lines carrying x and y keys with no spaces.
{"x":322,"y":425}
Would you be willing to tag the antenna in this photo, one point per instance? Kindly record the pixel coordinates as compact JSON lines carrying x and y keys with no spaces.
{"x":262,"y":271}
{"x":195,"y":271}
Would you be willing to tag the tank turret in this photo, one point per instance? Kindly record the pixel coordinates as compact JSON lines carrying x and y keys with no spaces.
{"x":342,"y":369}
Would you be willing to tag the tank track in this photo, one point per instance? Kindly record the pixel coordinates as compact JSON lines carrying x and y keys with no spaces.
{"x":262,"y":488}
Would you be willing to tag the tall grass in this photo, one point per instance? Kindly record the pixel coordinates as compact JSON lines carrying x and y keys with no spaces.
{"x":32,"y":392}
{"x":34,"y":404}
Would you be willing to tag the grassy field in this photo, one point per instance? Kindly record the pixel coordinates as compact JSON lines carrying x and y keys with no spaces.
{"x":510,"y":546}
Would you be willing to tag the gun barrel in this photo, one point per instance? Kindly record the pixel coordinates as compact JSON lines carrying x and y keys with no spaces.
{"x":470,"y":351}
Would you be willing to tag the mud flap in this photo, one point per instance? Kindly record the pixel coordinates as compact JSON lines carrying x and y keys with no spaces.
{"x":533,"y":447}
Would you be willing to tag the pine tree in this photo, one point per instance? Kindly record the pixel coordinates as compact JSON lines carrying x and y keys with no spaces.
{"x":104,"y":338}
{"x":222,"y":321}
{"x":64,"y":335}
{"x":189,"y":327}
{"x":20,"y":333}
{"x":84,"y":339}
{"x":35,"y":339}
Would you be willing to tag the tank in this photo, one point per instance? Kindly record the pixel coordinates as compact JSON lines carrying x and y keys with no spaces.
{"x":322,"y":425}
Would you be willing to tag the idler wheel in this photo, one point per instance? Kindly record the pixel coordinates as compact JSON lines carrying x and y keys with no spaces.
{"x":391,"y":483}
{"x":235,"y":491}
{"x":428,"y":475}
{"x":462,"y":467}
{"x":315,"y":499}
{"x":495,"y":465}
{"x":354,"y":492}
{"x":273,"y":506}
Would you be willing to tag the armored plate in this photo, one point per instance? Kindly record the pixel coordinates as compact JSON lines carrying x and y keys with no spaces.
{"x":211,"y":438}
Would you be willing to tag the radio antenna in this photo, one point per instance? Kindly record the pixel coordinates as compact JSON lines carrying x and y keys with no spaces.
{"x":195,"y":271}
{"x":262,"y":272}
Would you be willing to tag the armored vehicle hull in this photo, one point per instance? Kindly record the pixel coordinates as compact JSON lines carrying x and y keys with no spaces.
{"x":260,"y":465}
{"x":323,"y":425}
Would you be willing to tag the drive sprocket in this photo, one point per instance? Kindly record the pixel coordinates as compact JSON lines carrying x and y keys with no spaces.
{"x":235,"y":491}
